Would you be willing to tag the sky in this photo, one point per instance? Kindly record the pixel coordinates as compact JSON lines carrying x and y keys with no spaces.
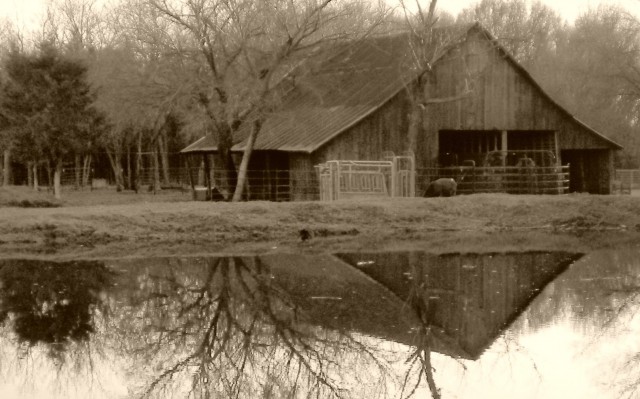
{"x":29,"y":12}
{"x":568,"y":9}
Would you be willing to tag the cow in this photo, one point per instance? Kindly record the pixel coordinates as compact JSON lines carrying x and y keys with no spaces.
{"x":443,"y":187}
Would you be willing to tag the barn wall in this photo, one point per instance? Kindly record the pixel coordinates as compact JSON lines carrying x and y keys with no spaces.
{"x":268,"y":176}
{"x":384,"y":130}
{"x":502,"y":98}
{"x":304,"y":180}
{"x":589,"y":170}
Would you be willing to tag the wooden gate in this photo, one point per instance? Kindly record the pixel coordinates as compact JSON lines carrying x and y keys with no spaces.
{"x":393,"y":177}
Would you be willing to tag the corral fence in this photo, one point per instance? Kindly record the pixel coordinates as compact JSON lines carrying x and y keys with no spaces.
{"x":261,"y":185}
{"x":625,"y":181}
{"x":500,"y":179}
{"x":74,"y":179}
{"x":356,"y":179}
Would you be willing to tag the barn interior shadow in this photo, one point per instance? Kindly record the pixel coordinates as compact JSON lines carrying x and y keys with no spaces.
{"x":271,"y":326}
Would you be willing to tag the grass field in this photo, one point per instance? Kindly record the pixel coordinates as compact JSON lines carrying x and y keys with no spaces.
{"x":105,"y":223}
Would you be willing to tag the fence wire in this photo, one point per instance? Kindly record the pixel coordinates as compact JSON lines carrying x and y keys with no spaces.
{"x":293,"y":185}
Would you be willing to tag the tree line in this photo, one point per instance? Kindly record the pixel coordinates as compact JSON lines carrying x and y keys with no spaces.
{"x":127,"y":78}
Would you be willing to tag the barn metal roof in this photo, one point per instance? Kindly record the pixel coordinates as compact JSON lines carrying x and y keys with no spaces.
{"x":347,"y":87}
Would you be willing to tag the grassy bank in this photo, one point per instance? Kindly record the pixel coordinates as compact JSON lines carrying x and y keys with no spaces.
{"x":105,"y":223}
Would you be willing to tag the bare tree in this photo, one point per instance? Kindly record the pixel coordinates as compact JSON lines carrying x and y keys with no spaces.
{"x":246,"y":49}
{"x":428,"y":43}
{"x":601,"y":75}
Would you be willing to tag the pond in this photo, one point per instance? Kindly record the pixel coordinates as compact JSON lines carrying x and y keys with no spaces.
{"x":399,"y":324}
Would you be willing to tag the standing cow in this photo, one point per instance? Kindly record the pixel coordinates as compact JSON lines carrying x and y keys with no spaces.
{"x":444,"y":187}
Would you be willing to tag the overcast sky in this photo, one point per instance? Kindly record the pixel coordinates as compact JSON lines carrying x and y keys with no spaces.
{"x":569,"y":9}
{"x":29,"y":12}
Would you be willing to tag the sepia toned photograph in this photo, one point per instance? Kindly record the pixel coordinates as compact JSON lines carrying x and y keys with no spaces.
{"x":341,"y":199}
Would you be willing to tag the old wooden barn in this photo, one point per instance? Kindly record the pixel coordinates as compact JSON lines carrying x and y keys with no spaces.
{"x":355,"y":106}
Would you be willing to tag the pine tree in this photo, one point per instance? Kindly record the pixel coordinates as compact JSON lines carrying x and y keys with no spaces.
{"x":48,"y":103}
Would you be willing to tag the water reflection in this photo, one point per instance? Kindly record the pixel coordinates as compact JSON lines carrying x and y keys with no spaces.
{"x":466,"y":299}
{"x":51,"y":303}
{"x":361,"y":325}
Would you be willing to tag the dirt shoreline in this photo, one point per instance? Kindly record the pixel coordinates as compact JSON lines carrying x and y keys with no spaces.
{"x":475,"y":223}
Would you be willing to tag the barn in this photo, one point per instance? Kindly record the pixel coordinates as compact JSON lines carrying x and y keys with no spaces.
{"x":356,"y":105}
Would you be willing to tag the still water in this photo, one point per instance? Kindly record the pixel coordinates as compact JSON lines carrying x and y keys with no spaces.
{"x":366,"y":325}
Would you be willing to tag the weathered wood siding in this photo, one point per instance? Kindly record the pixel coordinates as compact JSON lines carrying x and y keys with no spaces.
{"x":503,"y":97}
{"x":384,"y":130}
{"x":304,"y":180}
{"x":590,"y":171}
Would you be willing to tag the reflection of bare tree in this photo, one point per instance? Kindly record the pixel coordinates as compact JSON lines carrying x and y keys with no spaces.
{"x":420,"y":358}
{"x":603,"y":296}
{"x":231,"y":332}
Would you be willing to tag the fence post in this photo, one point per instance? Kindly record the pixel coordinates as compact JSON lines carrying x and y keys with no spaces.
{"x":394,"y":177}
{"x":473,"y":182}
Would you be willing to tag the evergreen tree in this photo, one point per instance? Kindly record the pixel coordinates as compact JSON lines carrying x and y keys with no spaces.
{"x":48,"y":104}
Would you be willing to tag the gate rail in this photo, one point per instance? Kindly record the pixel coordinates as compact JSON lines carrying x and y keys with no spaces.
{"x":505,"y":179}
{"x":393,"y":177}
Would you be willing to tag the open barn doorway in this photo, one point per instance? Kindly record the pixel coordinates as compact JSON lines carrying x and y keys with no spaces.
{"x":479,"y":147}
{"x":590,"y":170}
{"x":511,"y":161}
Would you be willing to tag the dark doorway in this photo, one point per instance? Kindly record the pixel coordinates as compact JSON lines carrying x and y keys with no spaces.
{"x":589,"y":170}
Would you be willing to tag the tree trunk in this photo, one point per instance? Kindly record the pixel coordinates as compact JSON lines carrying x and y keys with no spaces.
{"x":49,"y":175}
{"x":35,"y":177}
{"x":156,"y":169}
{"x":29,"y":174}
{"x":246,"y":157}
{"x":164,"y":157}
{"x":228,"y":177}
{"x":138,"y":164}
{"x":417,"y":94}
{"x":57,"y":174}
{"x":86,"y":170}
{"x":415,"y":118}
{"x":6,"y":168}
{"x":78,"y":170}
{"x":129,"y":178}
{"x":115,"y":161}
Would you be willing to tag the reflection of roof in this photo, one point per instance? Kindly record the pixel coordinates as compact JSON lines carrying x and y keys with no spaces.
{"x":346,"y":88}
{"x":468,"y":299}
{"x":335,"y":295}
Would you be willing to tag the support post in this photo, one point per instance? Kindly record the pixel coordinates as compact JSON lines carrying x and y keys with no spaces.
{"x":193,"y":186}
{"x":504,"y":147}
{"x":207,"y":176}
{"x":394,"y":176}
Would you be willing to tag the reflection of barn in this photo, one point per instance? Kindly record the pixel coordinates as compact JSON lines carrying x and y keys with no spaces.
{"x":470,"y":298}
{"x":354,"y":106}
